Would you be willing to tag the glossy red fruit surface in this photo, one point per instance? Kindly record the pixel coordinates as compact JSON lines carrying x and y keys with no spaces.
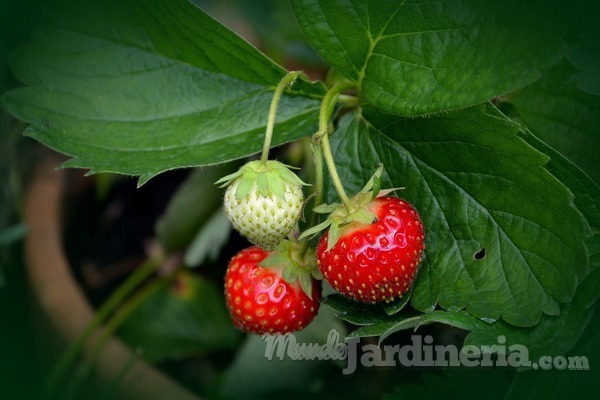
{"x":261,"y":301}
{"x":375,"y":262}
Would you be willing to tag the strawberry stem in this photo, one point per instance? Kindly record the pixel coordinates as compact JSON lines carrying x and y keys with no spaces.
{"x":318,"y":159}
{"x":287,"y":80}
{"x":322,"y":137}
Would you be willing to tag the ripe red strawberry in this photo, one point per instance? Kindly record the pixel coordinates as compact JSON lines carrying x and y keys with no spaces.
{"x":261,"y":301}
{"x":378,"y":261}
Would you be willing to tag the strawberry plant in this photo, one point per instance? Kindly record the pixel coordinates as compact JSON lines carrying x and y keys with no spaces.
{"x":435,"y":164}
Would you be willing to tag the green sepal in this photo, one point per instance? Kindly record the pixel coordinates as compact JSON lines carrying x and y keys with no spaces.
{"x":364,"y":216}
{"x":340,"y":216}
{"x":373,"y":186}
{"x":294,"y":266}
{"x":244,"y":188}
{"x":374,"y":181}
{"x":274,"y":259}
{"x":277,"y":186}
{"x":291,"y":177}
{"x":263,"y":186}
{"x":326,"y":208}
{"x":376,"y":186}
{"x":270,"y":178}
{"x":311,"y":232}
{"x":290,"y":273}
{"x":306,"y":283}
{"x":334,"y":235}
{"x":316,"y":273}
{"x":228,"y":179}
{"x":385,"y":192}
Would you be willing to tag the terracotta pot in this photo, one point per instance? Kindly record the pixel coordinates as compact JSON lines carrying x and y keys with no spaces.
{"x":63,"y":301}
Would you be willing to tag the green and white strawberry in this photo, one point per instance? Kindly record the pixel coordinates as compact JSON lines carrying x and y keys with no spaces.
{"x":263,"y":201}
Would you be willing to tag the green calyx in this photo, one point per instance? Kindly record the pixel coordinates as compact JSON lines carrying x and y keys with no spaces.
{"x":296,"y":266}
{"x":356,"y":212}
{"x":269,"y":177}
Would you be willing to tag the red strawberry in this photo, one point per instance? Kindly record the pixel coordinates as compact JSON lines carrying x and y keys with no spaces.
{"x":378,"y":261}
{"x":261,"y":301}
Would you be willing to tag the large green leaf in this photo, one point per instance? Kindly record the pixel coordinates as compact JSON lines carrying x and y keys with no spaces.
{"x":555,"y":334}
{"x":564,"y":117}
{"x":585,"y":56}
{"x":556,"y":383}
{"x":383,"y":329}
{"x":140,"y":87}
{"x":419,"y":56}
{"x":478,"y":186}
{"x":586,"y":191}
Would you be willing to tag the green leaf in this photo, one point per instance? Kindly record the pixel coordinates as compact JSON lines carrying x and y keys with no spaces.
{"x":586,"y":58}
{"x":500,"y":383}
{"x":209,"y":240}
{"x":194,"y":203}
{"x":140,"y":87}
{"x":353,"y":311}
{"x":188,"y":318}
{"x":397,"y":305}
{"x":564,"y":117}
{"x":12,"y":234}
{"x":554,"y":335}
{"x":420,"y":56}
{"x":477,"y":185}
{"x":586,"y":191}
{"x":384,"y":329}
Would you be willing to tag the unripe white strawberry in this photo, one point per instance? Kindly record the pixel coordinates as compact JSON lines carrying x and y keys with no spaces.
{"x":263,"y":201}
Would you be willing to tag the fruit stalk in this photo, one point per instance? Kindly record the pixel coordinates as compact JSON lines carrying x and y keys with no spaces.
{"x":318,"y":159}
{"x":322,"y":137}
{"x":287,"y":80}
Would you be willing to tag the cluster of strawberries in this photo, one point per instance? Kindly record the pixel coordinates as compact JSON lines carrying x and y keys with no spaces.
{"x":370,"y":251}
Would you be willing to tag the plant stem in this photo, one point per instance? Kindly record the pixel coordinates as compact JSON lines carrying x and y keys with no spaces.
{"x":322,"y":136}
{"x":318,"y":159}
{"x":318,"y":155}
{"x":335,"y":178}
{"x":287,"y":80}
{"x":116,"y":298}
